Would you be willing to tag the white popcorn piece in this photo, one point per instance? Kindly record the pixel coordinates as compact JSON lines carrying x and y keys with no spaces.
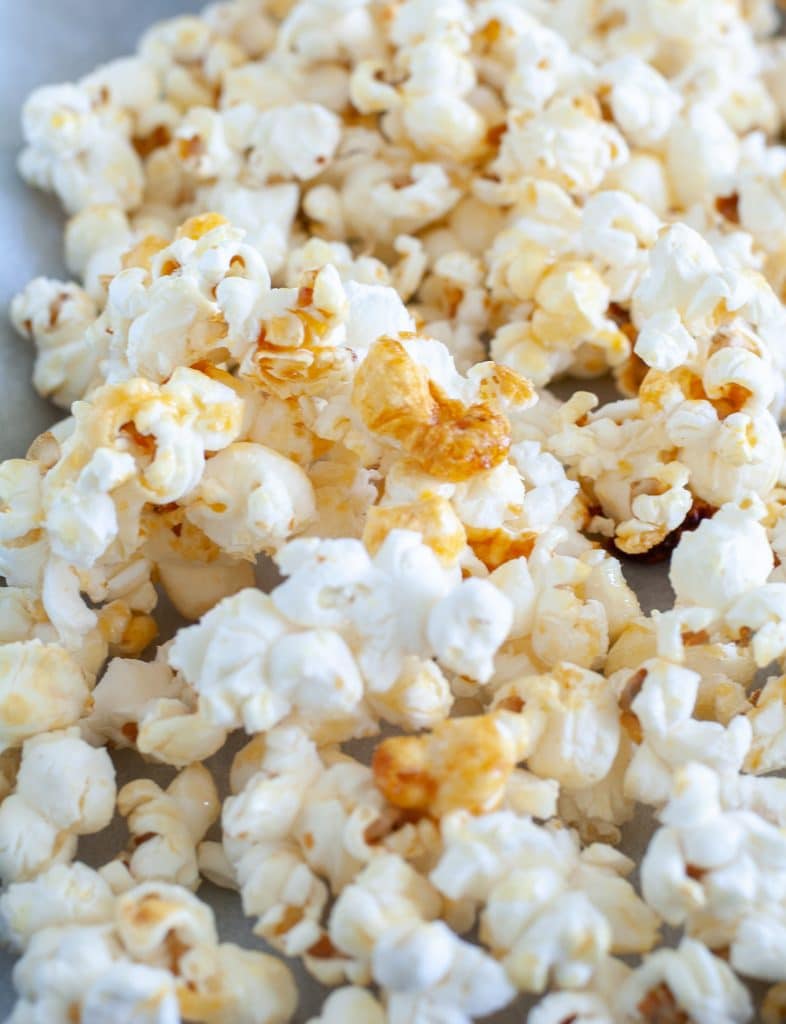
{"x":568,"y":143}
{"x":142,"y":704}
{"x":426,"y":969}
{"x":81,"y":799}
{"x":387,"y":894}
{"x":251,"y":499}
{"x":247,"y":664}
{"x":23,"y":550}
{"x":57,"y":316}
{"x":731,"y":554}
{"x":350,"y":1003}
{"x":65,"y":894}
{"x":575,"y":720}
{"x":549,"y":909}
{"x":662,"y":697}
{"x":715,"y":870}
{"x":40,"y":821}
{"x":80,"y":152}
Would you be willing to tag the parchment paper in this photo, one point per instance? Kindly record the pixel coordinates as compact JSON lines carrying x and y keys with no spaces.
{"x":46,"y":41}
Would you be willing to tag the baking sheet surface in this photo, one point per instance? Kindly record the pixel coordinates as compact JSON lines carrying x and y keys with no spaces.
{"x":46,"y":41}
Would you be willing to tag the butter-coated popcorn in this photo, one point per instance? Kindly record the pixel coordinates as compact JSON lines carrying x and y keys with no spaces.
{"x":41,"y":688}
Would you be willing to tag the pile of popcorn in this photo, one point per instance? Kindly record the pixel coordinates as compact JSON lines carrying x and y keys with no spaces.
{"x":332,"y":261}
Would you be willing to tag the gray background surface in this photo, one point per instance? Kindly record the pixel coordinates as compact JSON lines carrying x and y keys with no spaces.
{"x":44,"y":41}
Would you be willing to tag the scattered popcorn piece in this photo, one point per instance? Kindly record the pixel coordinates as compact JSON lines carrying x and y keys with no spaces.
{"x":64,"y":788}
{"x":688,"y":982}
{"x":463,"y":763}
{"x":551,"y":911}
{"x":41,"y":688}
{"x":166,"y":826}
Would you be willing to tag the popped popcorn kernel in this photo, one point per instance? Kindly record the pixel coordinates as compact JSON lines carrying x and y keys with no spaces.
{"x":442,"y":435}
{"x":463,"y":763}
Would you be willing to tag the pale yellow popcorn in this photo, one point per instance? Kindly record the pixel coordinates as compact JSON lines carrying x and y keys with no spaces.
{"x":353,"y":1003}
{"x":41,"y":688}
{"x":142,"y":704}
{"x":23,"y":547}
{"x":79,"y":149}
{"x":65,"y":894}
{"x":167,"y":826}
{"x":575,"y":720}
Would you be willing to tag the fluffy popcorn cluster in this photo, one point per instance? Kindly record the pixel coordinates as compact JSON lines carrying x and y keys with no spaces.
{"x":335,"y":264}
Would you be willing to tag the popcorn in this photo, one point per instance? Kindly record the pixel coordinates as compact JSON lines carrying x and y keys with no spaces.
{"x":166,"y":826}
{"x":142,"y":704}
{"x":157,"y":957}
{"x":40,"y":821}
{"x":41,"y":688}
{"x":297,"y":818}
{"x":548,"y":907}
{"x":350,"y":1003}
{"x":688,"y":980}
{"x":80,"y":152}
{"x":428,"y":969}
{"x":56,"y":315}
{"x":708,"y":871}
{"x":462,"y":763}
{"x":732,"y":556}
{"x":278,"y":499}
{"x":568,"y":143}
{"x":250,"y":667}
{"x":64,"y":894}
{"x":386,"y":895}
{"x":574,"y":716}
{"x":367,"y":197}
{"x":662,"y":699}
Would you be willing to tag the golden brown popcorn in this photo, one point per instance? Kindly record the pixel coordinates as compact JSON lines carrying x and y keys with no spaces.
{"x":445,"y":437}
{"x":464,"y":763}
